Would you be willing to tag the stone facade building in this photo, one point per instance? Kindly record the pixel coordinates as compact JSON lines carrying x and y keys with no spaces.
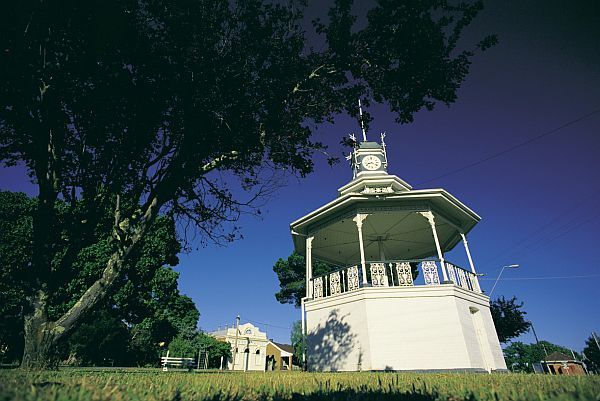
{"x":248,"y":347}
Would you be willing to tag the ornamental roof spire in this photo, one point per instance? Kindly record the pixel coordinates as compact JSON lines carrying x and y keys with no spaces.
{"x":362,"y":124}
{"x":368,"y":158}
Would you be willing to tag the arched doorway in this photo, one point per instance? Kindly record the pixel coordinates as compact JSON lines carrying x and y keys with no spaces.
{"x":246,"y":358}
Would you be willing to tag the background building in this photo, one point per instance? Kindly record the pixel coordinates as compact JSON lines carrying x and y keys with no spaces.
{"x":248,"y":347}
{"x":558,"y":363}
{"x":279,"y":356}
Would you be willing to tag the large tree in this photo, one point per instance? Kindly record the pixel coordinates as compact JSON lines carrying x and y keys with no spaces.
{"x":143,"y":308}
{"x":509,"y":318}
{"x":148,"y":105}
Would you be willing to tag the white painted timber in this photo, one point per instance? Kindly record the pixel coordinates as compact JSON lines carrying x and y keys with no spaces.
{"x":252,"y":347}
{"x":428,"y":328}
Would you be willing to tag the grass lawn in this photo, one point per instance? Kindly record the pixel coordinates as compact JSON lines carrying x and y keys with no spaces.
{"x":153,"y":384}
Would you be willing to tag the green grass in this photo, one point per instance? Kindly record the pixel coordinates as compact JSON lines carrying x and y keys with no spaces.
{"x":155,"y":385}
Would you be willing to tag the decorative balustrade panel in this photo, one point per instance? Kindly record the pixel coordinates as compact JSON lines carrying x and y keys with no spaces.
{"x":404,"y":274}
{"x":318,"y":287}
{"x":378,"y":275}
{"x":395,"y":274}
{"x":430,"y":272}
{"x":334,"y":283}
{"x":353,"y":282}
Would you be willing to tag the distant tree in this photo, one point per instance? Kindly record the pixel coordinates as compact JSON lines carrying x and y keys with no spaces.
{"x":509,"y":318}
{"x":160,"y":313}
{"x":291,"y":273}
{"x":520,"y":357}
{"x":189,"y":345}
{"x":143,"y":107}
{"x":296,"y":339}
{"x":591,"y":353}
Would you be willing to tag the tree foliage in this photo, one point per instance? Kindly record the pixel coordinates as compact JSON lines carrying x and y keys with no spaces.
{"x":591,"y":353}
{"x":291,"y":273}
{"x":189,"y":345}
{"x":102,"y":339}
{"x":509,"y":318}
{"x":16,"y":211}
{"x":139,"y":107}
{"x":297,"y":340}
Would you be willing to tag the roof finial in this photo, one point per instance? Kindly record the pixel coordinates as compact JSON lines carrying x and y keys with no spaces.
{"x":362,"y":125}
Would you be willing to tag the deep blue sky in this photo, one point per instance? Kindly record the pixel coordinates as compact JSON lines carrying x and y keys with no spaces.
{"x":539,"y":203}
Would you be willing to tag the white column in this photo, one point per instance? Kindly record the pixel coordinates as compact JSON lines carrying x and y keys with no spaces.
{"x":309,"y":290}
{"x":303,"y":310}
{"x":381,"y":250}
{"x":466,"y":244}
{"x":429,"y":216}
{"x":360,"y":217}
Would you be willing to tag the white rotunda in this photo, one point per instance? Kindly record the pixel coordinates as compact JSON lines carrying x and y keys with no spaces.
{"x":393,"y":302}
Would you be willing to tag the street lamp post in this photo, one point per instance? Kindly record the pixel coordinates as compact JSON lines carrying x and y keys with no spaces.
{"x":537,"y":341}
{"x":498,"y":278}
{"x":235,"y":348}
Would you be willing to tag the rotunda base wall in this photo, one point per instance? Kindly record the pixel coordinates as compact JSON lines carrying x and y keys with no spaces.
{"x":420,"y":328}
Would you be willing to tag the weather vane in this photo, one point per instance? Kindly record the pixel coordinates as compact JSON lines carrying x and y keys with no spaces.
{"x":362,"y":125}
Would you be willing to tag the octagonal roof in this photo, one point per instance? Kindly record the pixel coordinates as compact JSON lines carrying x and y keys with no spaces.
{"x":393,"y":229}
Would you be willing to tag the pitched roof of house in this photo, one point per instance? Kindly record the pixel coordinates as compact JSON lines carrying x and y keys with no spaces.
{"x":559,"y":357}
{"x":284,"y":347}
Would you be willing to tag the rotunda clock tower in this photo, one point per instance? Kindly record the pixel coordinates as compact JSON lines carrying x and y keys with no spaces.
{"x":369,"y":158}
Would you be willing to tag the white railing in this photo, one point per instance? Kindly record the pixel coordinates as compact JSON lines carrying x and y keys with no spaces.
{"x":397,"y":273}
{"x":463,"y":278}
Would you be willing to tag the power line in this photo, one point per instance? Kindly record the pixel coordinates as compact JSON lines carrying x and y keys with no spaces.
{"x":270,"y":325}
{"x":266,"y":326}
{"x":523,"y":241}
{"x":530,"y":241}
{"x":539,"y":244}
{"x":542,"y":277}
{"x":514,"y":147}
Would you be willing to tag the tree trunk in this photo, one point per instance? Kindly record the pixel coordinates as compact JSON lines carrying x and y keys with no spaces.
{"x":39,"y":340}
{"x":41,"y":334}
{"x":38,"y":352}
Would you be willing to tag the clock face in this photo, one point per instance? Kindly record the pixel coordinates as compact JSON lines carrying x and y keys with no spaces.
{"x":371,"y":162}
